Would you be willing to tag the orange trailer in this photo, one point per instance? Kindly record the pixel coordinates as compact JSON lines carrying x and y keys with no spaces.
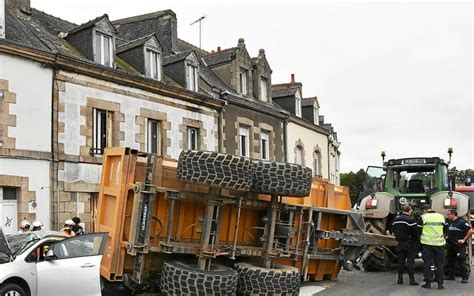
{"x":163,"y":232}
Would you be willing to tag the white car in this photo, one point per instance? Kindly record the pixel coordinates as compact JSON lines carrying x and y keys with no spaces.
{"x":50,"y":263}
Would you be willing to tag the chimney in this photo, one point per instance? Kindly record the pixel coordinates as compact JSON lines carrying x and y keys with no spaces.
{"x":21,"y":5}
{"x":241,"y":43}
{"x":218,"y":48}
{"x":292,"y":78}
{"x":2,"y":19}
{"x":168,"y":32}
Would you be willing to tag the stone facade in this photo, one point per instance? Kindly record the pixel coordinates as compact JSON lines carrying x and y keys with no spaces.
{"x":7,"y":99}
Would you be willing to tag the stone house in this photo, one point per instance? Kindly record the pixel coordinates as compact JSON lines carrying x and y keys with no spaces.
{"x":128,"y":82}
{"x":311,"y":142}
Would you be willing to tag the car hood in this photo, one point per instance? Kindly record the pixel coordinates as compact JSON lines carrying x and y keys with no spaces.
{"x":4,"y":247}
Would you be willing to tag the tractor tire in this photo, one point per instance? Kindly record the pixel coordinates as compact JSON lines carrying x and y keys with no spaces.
{"x":380,"y":258}
{"x":254,"y":280}
{"x":215,"y":169}
{"x":182,"y":278}
{"x":270,"y":177}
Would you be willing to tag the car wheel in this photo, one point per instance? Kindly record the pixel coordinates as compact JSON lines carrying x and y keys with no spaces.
{"x":11,"y":289}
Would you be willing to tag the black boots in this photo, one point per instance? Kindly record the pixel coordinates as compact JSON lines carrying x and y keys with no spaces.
{"x":427,"y":285}
{"x":412,"y":280}
{"x":400,"y":279}
{"x":440,"y":286}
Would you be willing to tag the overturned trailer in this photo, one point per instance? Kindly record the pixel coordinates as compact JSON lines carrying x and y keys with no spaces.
{"x":215,"y":223}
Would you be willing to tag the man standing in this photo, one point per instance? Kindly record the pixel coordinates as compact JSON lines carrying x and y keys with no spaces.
{"x":458,"y":229}
{"x":406,"y":232}
{"x":432,"y":241}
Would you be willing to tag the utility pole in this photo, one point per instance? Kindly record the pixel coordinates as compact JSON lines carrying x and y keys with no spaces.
{"x":199,"y":20}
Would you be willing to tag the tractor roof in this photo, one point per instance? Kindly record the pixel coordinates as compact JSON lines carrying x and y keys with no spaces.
{"x":414,"y":162}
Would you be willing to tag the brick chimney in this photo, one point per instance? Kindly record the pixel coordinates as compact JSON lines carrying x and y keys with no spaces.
{"x":21,"y":5}
{"x":218,"y":48}
{"x":292,"y":78}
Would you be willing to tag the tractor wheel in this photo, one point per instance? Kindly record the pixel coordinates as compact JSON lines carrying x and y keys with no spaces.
{"x":287,"y":179}
{"x":254,"y":280}
{"x":380,"y":258}
{"x":215,"y":169}
{"x":182,"y":278}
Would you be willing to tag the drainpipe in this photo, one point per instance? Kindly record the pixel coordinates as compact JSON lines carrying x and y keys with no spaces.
{"x":54,"y":171}
{"x":329,"y":160}
{"x":220,"y":123}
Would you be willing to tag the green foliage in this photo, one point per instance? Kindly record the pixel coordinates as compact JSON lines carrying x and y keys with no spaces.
{"x":355,"y":182}
{"x":462,"y":176}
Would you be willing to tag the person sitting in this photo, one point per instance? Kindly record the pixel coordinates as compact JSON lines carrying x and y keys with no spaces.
{"x":77,"y":228}
{"x":67,"y":229}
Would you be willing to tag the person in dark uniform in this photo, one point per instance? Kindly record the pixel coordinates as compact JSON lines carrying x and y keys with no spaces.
{"x":458,"y":229}
{"x":406,"y":232}
{"x":432,"y":241}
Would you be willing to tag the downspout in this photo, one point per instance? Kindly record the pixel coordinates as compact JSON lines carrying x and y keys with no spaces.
{"x":329,"y":159}
{"x":54,"y":184}
{"x":220,"y":123}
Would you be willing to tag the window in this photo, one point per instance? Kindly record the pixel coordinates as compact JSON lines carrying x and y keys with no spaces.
{"x":244,"y":141}
{"x":243,"y":81}
{"x":153,"y":64}
{"x":193,"y":138}
{"x":153,"y":136}
{"x":192,"y":77}
{"x":299,"y":155}
{"x":263,"y":89}
{"x":264,"y":145}
{"x":100,"y":131}
{"x":103,"y":49}
{"x":298,"y":107}
{"x":317,"y":161}
{"x":9,"y":193}
{"x":316,"y":116}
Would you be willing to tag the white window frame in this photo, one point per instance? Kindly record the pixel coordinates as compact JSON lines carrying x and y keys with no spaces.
{"x":316,"y":115}
{"x":99,"y":131}
{"x":193,"y":138}
{"x":316,"y":164}
{"x":263,"y":89}
{"x":244,"y":138}
{"x":297,"y":106}
{"x":299,"y":155}
{"x":153,"y":62}
{"x":192,"y":71}
{"x":243,"y":81}
{"x":101,"y":51}
{"x":153,"y":129}
{"x":265,"y":145}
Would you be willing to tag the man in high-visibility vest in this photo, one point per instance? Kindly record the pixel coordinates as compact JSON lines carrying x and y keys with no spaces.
{"x":432,"y":240}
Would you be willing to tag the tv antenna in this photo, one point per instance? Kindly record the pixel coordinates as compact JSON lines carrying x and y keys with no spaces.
{"x":199,"y":20}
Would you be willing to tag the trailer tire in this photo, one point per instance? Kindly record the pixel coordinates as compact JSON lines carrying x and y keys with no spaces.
{"x":380,"y":258}
{"x":255,"y":280}
{"x":287,"y":179}
{"x":215,"y":169}
{"x":184,"y":278}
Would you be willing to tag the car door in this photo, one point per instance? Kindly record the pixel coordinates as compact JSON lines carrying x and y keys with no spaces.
{"x":72,"y":267}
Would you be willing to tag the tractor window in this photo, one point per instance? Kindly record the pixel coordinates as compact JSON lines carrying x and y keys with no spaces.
{"x":444,"y":177}
{"x":413,"y":181}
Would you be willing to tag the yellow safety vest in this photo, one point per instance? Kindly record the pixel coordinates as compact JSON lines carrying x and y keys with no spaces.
{"x":432,"y":234}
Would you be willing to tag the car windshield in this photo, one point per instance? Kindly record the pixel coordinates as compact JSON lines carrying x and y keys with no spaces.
{"x":20,"y":242}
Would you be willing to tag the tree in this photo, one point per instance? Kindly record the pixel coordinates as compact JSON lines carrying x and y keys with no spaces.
{"x":355,"y":182}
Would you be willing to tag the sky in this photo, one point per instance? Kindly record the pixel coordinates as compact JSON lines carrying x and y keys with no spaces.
{"x":391,"y":76}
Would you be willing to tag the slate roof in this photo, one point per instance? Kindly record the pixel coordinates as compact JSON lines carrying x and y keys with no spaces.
{"x":309,"y":102}
{"x":89,"y":24}
{"x":134,"y":43}
{"x":284,"y":93}
{"x":219,"y":57}
{"x":176,"y":57}
{"x":185,"y":46}
{"x":143,"y":17}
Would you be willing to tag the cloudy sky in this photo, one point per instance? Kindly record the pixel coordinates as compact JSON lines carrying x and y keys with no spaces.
{"x":393,"y":76}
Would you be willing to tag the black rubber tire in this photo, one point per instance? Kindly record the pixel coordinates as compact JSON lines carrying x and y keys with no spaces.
{"x":255,"y":280}
{"x":287,"y":179}
{"x":380,"y":258}
{"x":184,"y":278}
{"x":215,"y":169}
{"x":11,"y":287}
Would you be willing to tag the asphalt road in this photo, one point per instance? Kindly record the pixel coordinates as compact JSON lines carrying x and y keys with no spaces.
{"x":358,"y":283}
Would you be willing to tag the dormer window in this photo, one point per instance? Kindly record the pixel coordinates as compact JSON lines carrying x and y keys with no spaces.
{"x":192,"y":73}
{"x":298,"y":107}
{"x":104,"y":49}
{"x":153,"y":64}
{"x":243,"y":81}
{"x":263,"y":89}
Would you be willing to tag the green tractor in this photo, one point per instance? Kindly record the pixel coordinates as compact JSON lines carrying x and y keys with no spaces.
{"x":412,"y":181}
